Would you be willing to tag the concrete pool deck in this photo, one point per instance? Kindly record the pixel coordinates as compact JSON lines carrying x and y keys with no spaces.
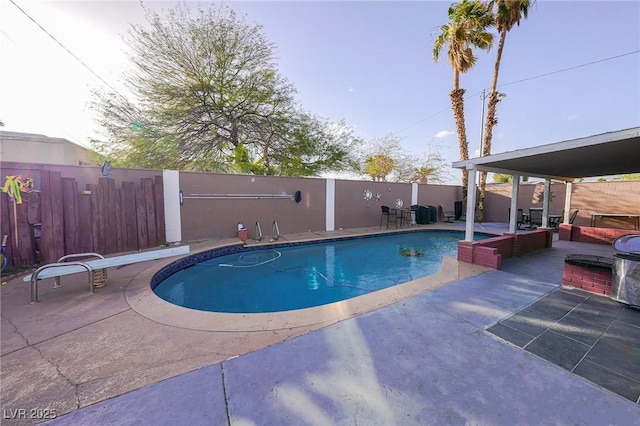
{"x":97,"y":358}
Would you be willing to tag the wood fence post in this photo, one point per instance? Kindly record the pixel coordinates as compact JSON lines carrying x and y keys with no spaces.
{"x":147,"y":189}
{"x":70,"y":214}
{"x":141,"y":219}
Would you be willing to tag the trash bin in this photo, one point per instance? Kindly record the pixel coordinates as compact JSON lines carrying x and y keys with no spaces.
{"x":457,"y":208}
{"x":625,"y":286}
{"x":426,"y":215}
{"x":422,"y":215}
{"x":432,"y":214}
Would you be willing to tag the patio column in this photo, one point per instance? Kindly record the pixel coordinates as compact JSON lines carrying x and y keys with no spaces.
{"x":567,"y":202}
{"x":545,"y":203}
{"x":471,"y":205}
{"x":515,"y":191}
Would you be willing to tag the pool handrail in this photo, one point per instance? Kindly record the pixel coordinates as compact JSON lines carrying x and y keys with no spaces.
{"x":258,"y":232}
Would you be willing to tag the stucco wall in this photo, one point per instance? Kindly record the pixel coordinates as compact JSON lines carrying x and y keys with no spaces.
{"x":605,"y":197}
{"x":587,"y":197}
{"x":215,"y":218}
{"x":353,"y":210}
{"x":439,"y":195}
{"x":498,"y":199}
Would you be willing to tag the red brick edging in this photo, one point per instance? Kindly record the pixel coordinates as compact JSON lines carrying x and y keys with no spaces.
{"x":592,"y":279}
{"x":490,"y":252}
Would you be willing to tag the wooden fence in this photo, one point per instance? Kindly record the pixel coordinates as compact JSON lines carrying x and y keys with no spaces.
{"x":62,"y":219}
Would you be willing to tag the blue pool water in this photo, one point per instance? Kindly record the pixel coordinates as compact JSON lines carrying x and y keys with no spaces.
{"x":286,"y":278}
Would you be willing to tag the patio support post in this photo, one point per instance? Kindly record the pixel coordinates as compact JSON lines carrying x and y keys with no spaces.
{"x":567,"y":202}
{"x":471,"y":204}
{"x":515,"y":191}
{"x":545,"y":203}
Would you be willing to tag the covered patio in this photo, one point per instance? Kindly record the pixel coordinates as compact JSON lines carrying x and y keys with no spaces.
{"x":612,"y":153}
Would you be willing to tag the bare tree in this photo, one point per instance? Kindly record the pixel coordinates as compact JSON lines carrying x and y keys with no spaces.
{"x":385,"y":159}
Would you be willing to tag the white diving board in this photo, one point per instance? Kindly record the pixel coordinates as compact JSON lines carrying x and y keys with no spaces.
{"x":60,"y":269}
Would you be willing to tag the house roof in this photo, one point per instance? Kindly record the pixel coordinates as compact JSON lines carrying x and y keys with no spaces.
{"x":35,"y":137}
{"x":606,"y":154}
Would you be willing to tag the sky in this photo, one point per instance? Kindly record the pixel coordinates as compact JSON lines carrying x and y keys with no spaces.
{"x":571,"y":70}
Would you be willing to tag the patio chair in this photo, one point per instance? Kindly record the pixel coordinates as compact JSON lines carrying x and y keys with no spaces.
{"x":554,"y":222}
{"x":573,"y":216}
{"x":519,"y":218}
{"x":389,"y":213}
{"x":447,"y":215}
{"x":535,"y":218}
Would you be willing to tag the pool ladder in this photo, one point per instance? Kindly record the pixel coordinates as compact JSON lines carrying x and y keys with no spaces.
{"x":275,"y":231}
{"x":258,"y":232}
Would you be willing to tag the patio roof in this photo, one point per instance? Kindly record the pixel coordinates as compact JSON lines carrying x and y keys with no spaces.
{"x":605,"y":154}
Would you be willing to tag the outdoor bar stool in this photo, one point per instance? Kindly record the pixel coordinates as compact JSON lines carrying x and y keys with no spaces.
{"x":389,"y":213}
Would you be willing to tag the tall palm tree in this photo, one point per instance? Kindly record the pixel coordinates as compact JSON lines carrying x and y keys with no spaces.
{"x":507,"y":14}
{"x":467,"y":28}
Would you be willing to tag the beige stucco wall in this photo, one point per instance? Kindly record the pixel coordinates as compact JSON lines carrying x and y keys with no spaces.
{"x":216,"y":218}
{"x":587,"y":197}
{"x":498,"y":199}
{"x":607,"y":197}
{"x":353,"y":210}
{"x":439,"y":195}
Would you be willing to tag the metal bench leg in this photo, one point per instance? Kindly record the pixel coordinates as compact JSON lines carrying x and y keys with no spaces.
{"x":71,"y":256}
{"x":34,"y":277}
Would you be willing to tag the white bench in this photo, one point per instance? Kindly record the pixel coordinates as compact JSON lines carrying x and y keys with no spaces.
{"x":60,"y":268}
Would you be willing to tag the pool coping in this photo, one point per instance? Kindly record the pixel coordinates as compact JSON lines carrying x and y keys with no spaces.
{"x":141,"y":298}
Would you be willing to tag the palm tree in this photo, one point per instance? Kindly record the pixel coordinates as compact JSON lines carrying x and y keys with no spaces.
{"x":508,"y":13}
{"x":467,"y":28}
{"x":378,"y":166}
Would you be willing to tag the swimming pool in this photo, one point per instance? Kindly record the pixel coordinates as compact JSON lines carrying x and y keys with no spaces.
{"x":280,"y":278}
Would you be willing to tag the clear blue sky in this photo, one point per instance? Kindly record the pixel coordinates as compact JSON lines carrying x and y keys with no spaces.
{"x":368,"y":63}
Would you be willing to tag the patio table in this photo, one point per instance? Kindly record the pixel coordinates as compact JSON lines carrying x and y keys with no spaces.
{"x":634,"y":217}
{"x":404,"y":215}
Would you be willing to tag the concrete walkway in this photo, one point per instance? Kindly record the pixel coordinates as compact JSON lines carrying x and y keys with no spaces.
{"x":423,"y":360}
{"x":427,"y":360}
